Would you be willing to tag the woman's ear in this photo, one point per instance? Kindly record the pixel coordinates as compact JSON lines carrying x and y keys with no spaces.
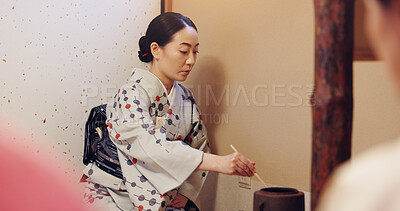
{"x":155,"y":50}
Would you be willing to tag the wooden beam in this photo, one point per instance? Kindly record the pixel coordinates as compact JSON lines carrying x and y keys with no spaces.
{"x":364,"y":55}
{"x":162,"y":6}
{"x":332,"y":100}
{"x":166,"y":6}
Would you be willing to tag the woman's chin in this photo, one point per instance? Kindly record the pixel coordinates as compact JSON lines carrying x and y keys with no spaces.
{"x":181,"y":78}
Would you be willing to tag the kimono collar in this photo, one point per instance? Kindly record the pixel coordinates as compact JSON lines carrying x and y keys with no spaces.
{"x":152,"y":83}
{"x":171,"y":93}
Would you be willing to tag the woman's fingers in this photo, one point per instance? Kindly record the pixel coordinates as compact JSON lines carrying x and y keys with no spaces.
{"x":249,"y":164}
{"x":244,"y":168}
{"x":179,"y":201}
{"x":244,"y":165}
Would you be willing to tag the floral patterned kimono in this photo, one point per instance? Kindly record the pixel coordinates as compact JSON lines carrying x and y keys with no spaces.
{"x":160,"y":139}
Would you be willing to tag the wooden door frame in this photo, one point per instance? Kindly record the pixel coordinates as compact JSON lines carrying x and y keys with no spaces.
{"x":166,"y":6}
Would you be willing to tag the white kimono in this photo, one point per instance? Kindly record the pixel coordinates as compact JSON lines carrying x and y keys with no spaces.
{"x":160,"y":144}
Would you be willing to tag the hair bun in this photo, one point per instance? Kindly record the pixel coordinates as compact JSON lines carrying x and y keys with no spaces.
{"x":144,"y":53}
{"x":145,"y":57}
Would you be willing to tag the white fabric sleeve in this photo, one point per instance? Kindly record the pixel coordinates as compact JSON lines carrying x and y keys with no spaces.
{"x":165,"y":164}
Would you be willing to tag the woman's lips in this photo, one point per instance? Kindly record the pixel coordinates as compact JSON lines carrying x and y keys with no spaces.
{"x":186,"y":72}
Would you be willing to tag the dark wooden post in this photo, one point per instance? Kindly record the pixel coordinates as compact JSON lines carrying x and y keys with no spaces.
{"x":332,"y":100}
{"x":162,"y":6}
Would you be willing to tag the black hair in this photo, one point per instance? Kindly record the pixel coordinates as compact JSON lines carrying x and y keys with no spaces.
{"x":385,"y":3}
{"x":160,"y":30}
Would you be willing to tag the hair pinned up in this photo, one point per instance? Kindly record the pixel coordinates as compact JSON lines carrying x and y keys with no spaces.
{"x":144,"y":54}
{"x":161,"y":30}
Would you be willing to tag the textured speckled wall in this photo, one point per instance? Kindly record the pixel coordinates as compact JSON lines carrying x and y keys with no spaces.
{"x":57,"y":60}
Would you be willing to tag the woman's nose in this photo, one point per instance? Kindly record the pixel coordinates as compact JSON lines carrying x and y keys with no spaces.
{"x":191,"y":60}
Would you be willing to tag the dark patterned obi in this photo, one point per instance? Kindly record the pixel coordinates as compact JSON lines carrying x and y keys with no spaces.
{"x":99,"y":148}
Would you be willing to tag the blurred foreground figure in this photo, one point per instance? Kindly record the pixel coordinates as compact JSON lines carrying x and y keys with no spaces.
{"x":371,"y":181}
{"x":33,"y":183}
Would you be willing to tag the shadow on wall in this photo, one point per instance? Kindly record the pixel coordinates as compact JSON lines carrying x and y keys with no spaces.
{"x":207,"y":84}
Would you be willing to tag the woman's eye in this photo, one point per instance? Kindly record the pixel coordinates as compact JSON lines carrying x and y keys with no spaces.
{"x":185,"y":52}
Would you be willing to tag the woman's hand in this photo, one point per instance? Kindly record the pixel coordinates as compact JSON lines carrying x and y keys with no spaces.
{"x":179,"y":201}
{"x":236,"y":164}
{"x":232,"y":164}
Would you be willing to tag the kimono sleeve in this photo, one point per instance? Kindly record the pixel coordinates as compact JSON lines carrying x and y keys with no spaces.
{"x":165,"y":164}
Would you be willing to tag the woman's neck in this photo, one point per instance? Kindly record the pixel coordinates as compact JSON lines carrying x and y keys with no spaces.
{"x":166,"y":82}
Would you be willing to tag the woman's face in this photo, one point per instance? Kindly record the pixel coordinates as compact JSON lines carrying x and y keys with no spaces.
{"x":383,"y":30}
{"x":176,"y":59}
